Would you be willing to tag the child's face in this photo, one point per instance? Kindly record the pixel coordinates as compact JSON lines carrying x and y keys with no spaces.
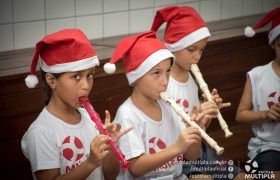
{"x":190,"y":55}
{"x":155,"y":81}
{"x":72,"y":85}
{"x":276,"y":46}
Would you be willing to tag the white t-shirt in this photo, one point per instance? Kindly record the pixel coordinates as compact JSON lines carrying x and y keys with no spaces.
{"x":265,"y":92}
{"x":185,"y":94}
{"x":149,"y":136}
{"x":51,"y":143}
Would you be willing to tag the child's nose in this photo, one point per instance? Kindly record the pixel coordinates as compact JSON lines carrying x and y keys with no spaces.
{"x":85,"y":84}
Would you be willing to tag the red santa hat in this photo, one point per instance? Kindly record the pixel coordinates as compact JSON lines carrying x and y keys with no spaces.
{"x":273,"y":32}
{"x":68,"y":50}
{"x":140,"y":53}
{"x":184,"y":26}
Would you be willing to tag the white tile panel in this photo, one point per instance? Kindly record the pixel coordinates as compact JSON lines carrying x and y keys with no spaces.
{"x":6,"y":37}
{"x":116,"y":24}
{"x":115,"y":5}
{"x":141,"y":20}
{"x":231,"y":9}
{"x":59,"y":24}
{"x":59,"y":8}
{"x":6,"y":9}
{"x":88,"y":7}
{"x":27,"y":34}
{"x":138,"y":4}
{"x":252,"y":7}
{"x":26,"y":10}
{"x":92,"y":26}
{"x":210,"y":10}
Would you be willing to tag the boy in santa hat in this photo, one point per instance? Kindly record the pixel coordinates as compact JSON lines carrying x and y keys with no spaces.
{"x":260,"y":102}
{"x":63,"y":143}
{"x":186,"y":36}
{"x":159,"y":140}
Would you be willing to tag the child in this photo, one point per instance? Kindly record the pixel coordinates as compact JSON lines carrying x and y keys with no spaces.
{"x":63,"y":142}
{"x":260,"y":102}
{"x":159,"y":140}
{"x":186,"y":36}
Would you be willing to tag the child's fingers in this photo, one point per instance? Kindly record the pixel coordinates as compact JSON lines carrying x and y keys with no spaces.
{"x":107,"y":117}
{"x":125,"y":131}
{"x":223,"y":105}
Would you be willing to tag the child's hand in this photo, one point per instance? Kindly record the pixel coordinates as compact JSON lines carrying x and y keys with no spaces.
{"x":218,"y":100}
{"x":208,"y":110}
{"x":114,"y":128}
{"x":187,"y":138}
{"x":274,"y":112}
{"x":99,"y":149}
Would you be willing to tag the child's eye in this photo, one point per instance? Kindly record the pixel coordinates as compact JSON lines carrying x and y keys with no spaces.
{"x":190,"y":49}
{"x":90,"y":75}
{"x":76,"y":77}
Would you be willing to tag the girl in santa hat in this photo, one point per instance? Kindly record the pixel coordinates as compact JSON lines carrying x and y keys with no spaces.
{"x":186,"y":35}
{"x":260,"y":102}
{"x":159,"y":140}
{"x":63,"y":143}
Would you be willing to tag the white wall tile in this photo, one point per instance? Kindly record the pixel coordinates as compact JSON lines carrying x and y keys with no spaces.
{"x":115,"y":5}
{"x":165,"y":2}
{"x":28,"y":10}
{"x":6,"y":9}
{"x":27,"y":34}
{"x":88,"y":7}
{"x":59,"y":24}
{"x":186,"y":1}
{"x":251,"y":7}
{"x":136,"y":4}
{"x":59,"y":8}
{"x":91,"y":25}
{"x":141,"y":20}
{"x":6,"y":37}
{"x":268,"y":5}
{"x":231,"y":9}
{"x":194,"y":5}
{"x":116,"y":24}
{"x":210,"y":10}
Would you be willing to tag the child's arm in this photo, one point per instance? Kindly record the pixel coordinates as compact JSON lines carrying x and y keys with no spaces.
{"x":246,"y":115}
{"x":145,"y":163}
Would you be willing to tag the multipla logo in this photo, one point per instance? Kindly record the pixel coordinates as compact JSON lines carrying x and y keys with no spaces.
{"x":252,"y":169}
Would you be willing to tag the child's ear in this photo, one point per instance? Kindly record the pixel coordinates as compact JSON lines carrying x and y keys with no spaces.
{"x":51,"y":80}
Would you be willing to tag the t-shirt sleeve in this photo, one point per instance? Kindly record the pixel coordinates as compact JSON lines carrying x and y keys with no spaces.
{"x":40,"y":148}
{"x":131,"y":144}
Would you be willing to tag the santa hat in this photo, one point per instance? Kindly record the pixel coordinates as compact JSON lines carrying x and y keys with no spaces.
{"x":273,"y":32}
{"x":184,"y":26}
{"x":140,"y":53}
{"x":68,"y":50}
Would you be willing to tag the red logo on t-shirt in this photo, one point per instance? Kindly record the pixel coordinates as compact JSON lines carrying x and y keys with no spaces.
{"x":156,"y":145}
{"x":184,"y":104}
{"x":72,"y":148}
{"x":272,"y":99}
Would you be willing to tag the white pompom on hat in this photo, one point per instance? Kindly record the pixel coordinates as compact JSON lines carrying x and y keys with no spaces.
{"x":67,"y":50}
{"x":139,"y":53}
{"x":272,"y":16}
{"x":184,"y":26}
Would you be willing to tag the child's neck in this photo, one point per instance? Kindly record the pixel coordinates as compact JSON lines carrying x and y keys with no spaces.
{"x":66,"y":113}
{"x":179,"y":74}
{"x":148,"y":106}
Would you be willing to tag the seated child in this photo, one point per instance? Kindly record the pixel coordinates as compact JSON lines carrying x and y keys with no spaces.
{"x":159,"y":140}
{"x":63,"y":142}
{"x":260,"y":103}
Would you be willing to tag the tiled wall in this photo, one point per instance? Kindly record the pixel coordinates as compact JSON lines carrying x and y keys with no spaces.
{"x":24,"y":22}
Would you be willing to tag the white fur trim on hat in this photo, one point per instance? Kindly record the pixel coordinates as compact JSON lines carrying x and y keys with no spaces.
{"x":109,"y":68}
{"x":148,"y":64}
{"x":189,"y":39}
{"x":78,"y":65}
{"x":249,"y":31}
{"x":31,"y":81}
{"x":274,"y":33}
